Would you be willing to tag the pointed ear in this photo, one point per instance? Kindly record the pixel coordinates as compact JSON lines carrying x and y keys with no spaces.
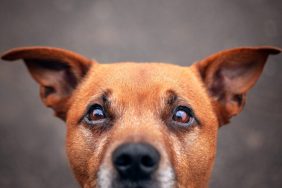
{"x":57,"y":71}
{"x":228,"y":76}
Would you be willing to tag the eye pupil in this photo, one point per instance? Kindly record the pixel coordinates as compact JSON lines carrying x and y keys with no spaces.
{"x":181,"y":116}
{"x":97,"y":114}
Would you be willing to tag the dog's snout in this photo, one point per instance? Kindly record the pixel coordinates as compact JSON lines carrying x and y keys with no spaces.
{"x":135,"y":161}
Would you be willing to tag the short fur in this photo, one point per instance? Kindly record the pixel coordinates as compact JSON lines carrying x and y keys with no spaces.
{"x":140,"y":98}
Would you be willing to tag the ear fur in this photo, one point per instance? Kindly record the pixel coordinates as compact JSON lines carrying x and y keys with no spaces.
{"x":228,"y":75}
{"x":57,"y":71}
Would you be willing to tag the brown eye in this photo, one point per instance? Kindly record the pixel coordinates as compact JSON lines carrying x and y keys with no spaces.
{"x":96,"y":114}
{"x":183,"y":116}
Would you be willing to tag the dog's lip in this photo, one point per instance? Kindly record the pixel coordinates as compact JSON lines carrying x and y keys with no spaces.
{"x":135,"y":184}
{"x":154,"y":181}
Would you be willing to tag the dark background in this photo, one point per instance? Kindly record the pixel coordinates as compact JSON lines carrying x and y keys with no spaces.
{"x":32,"y":151}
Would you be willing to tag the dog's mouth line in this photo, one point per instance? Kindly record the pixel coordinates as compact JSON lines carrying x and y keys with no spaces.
{"x":116,"y":183}
{"x":106,"y":178}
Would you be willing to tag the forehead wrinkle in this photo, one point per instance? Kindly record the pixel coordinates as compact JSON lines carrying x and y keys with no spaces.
{"x":132,"y":83}
{"x":103,"y":95}
{"x":171,"y":97}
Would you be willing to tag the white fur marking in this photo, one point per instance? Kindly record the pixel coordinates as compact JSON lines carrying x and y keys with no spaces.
{"x":104,"y":177}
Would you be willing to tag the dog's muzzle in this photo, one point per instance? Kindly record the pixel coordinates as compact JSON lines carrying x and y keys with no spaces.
{"x":135,"y":161}
{"x":135,"y":165}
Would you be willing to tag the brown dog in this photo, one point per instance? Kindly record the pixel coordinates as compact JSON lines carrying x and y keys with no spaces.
{"x":144,"y":125}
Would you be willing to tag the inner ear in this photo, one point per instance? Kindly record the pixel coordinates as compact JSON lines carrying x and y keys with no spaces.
{"x":56,"y":83}
{"x":230,"y":74}
{"x":237,"y":75}
{"x":57,"y":71}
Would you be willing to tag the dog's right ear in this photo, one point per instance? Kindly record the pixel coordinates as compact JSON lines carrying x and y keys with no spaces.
{"x":229,"y":75}
{"x":57,"y":71}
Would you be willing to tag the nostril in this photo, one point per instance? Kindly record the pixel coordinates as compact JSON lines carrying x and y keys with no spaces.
{"x":147,"y":161}
{"x":123,"y":161}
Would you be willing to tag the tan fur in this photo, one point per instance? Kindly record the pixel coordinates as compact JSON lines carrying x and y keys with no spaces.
{"x":138,"y":94}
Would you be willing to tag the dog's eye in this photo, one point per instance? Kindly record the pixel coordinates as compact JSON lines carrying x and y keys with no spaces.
{"x":183,"y":116}
{"x":95,"y":114}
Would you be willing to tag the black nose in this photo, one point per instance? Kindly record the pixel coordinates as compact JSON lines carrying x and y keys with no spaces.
{"x":135,"y":161}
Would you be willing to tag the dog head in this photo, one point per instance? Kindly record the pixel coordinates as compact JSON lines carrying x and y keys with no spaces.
{"x":143,"y":124}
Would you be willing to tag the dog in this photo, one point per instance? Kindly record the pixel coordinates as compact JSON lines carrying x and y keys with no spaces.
{"x":141,"y":125}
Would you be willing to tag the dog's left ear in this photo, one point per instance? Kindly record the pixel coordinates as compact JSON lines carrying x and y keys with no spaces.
{"x":57,"y":71}
{"x":228,"y":76}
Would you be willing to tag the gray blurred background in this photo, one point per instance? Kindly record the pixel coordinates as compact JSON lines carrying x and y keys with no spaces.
{"x":32,"y":150}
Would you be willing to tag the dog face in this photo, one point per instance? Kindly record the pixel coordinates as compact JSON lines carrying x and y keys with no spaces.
{"x":142,"y":103}
{"x":143,"y":124}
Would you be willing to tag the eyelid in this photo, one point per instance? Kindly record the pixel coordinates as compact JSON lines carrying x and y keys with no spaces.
{"x":192,"y":120}
{"x":85,"y":119}
{"x":86,"y":112}
{"x":89,"y":110}
{"x":101,"y":98}
{"x":94,"y":106}
{"x":190,"y":111}
{"x":184,"y":108}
